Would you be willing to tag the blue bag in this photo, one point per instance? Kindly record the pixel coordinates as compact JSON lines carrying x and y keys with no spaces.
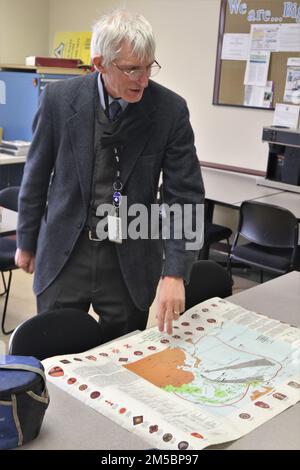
{"x":23,"y":399}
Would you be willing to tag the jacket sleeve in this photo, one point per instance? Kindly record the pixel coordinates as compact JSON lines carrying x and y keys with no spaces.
{"x":37,"y":171}
{"x":183,"y":191}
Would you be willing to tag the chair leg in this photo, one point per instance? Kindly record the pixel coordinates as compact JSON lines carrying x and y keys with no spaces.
{"x":204,"y":253}
{"x":228,"y":246}
{"x":229,"y":269}
{"x":261,"y":276}
{"x":5,"y":305}
{"x":4,"y":285}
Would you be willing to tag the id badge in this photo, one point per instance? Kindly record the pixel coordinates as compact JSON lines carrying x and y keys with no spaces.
{"x":114,"y":229}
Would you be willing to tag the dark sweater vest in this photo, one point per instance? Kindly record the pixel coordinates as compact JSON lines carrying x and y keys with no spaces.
{"x":105,"y":170}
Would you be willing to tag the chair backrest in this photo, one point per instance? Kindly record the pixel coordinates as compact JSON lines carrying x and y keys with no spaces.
{"x":268,"y":225}
{"x":208,"y":279}
{"x":9,"y":198}
{"x":60,"y":331}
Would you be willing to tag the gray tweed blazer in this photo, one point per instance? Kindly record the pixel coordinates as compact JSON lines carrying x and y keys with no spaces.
{"x":55,"y":192}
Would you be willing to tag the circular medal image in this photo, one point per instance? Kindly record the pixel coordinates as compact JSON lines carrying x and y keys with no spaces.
{"x":153,"y":428}
{"x":176,"y":336}
{"x":152,"y":348}
{"x":205,"y":310}
{"x":183,"y":445}
{"x":211,"y":320}
{"x":188,"y":333}
{"x":294,"y":384}
{"x":262,"y":404}
{"x":245,"y":416}
{"x":195,"y":316}
{"x":91,"y":358}
{"x":77,"y":359}
{"x":200,"y":328}
{"x":122,"y":411}
{"x":138,"y":353}
{"x":167,"y":437}
{"x":72,"y":380}
{"x":279,"y":396}
{"x":95,"y":395}
{"x":82,"y":387}
{"x":196,"y":434}
{"x":103,"y":354}
{"x":56,"y":372}
{"x":185,"y":323}
{"x":164,"y":341}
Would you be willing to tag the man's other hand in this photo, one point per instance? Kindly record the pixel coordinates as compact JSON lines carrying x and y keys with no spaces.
{"x":25,"y":260}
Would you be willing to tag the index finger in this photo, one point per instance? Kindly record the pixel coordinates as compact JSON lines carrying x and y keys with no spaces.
{"x":169,"y":322}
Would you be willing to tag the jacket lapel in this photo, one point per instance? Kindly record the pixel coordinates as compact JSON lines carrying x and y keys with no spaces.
{"x":81,"y":131}
{"x":140,"y":134}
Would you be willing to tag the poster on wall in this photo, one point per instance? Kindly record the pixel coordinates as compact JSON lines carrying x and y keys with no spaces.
{"x":73,"y":45}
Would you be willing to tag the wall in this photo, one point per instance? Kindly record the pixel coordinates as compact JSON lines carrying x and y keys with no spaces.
{"x":23,"y":29}
{"x":186,"y":33}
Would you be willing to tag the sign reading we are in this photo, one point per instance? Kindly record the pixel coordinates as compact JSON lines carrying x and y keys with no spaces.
{"x":289,"y":10}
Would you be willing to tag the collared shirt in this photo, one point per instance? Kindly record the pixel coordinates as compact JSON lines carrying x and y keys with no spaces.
{"x":122,"y":102}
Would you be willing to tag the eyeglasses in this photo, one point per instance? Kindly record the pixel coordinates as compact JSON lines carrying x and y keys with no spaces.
{"x":134,"y":73}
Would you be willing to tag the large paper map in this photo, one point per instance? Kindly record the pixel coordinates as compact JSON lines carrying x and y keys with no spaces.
{"x":222,"y":373}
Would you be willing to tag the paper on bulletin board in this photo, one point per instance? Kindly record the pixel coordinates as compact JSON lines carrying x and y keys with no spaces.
{"x":264,"y":37}
{"x":73,"y":45}
{"x":292,"y":85}
{"x":259,"y":96}
{"x":257,"y":68}
{"x":289,"y":37}
{"x":235,"y":47}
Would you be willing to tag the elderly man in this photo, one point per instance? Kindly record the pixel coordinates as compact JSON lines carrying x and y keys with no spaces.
{"x":97,"y":139}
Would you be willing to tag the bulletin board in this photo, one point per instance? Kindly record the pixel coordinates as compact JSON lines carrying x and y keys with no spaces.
{"x":237,"y":16}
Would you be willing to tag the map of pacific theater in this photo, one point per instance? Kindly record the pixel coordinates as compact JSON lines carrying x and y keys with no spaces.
{"x":222,"y":373}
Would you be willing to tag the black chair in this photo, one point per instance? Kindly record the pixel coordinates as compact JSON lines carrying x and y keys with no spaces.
{"x":213,"y":233}
{"x":271,"y":236}
{"x":208,"y":279}
{"x":8,"y":200}
{"x":56,"y":332}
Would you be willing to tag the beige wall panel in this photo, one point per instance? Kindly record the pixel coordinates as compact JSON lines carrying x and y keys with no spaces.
{"x":23,"y":29}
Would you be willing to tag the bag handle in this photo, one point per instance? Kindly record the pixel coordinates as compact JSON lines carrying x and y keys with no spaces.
{"x":25,"y":367}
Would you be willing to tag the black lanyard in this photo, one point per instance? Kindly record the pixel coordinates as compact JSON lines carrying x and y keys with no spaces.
{"x":117,"y":185}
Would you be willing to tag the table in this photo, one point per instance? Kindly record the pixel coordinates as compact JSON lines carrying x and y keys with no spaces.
{"x":11,"y":170}
{"x":285,"y":199}
{"x":226,"y":188}
{"x":8,"y":222}
{"x":6,"y":159}
{"x":231,"y":189}
{"x":70,"y":424}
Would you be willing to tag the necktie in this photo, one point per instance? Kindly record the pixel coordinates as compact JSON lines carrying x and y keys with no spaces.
{"x":114,"y":110}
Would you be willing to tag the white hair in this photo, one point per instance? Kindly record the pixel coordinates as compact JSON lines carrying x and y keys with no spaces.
{"x":120,"y":26}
